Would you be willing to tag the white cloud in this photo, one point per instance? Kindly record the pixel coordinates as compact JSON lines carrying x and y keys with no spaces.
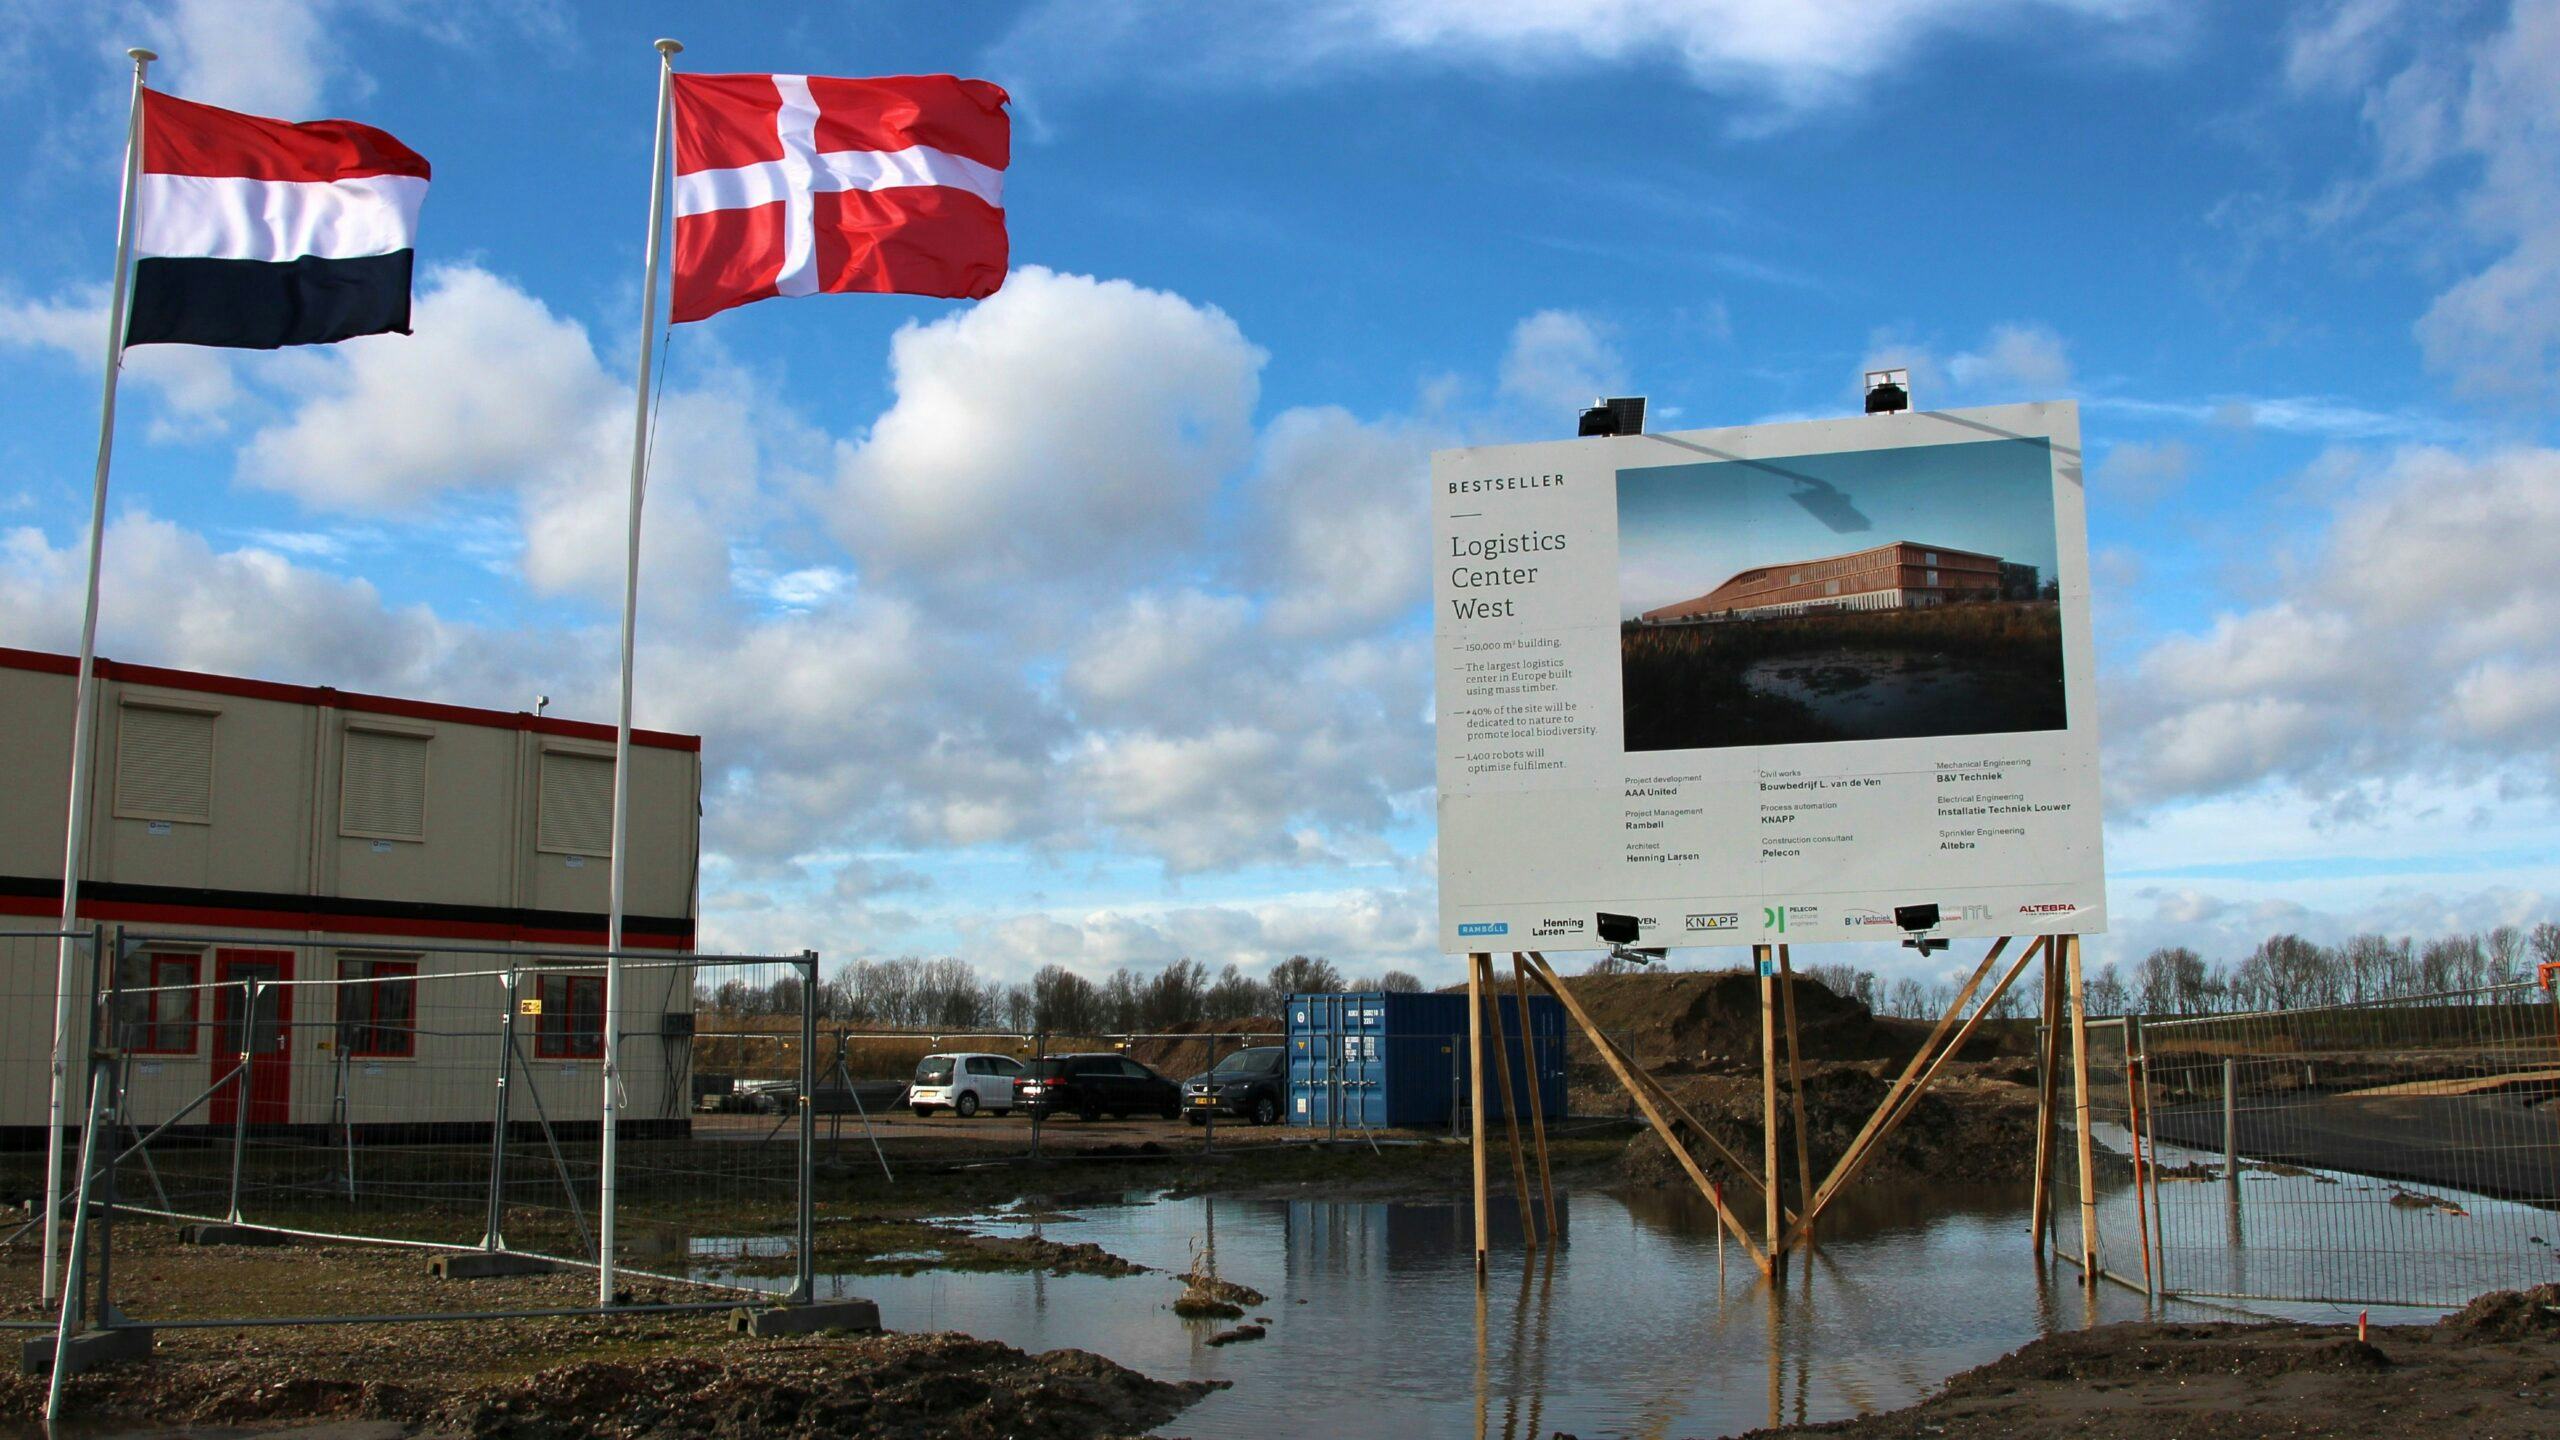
{"x":1055,"y":435}
{"x":267,"y":57}
{"x":1560,"y":360}
{"x":2413,"y":640}
{"x":2137,"y":472}
{"x":1361,"y":928}
{"x":1793,"y":54}
{"x":194,"y":385}
{"x":2027,"y":360}
{"x":1341,"y":521}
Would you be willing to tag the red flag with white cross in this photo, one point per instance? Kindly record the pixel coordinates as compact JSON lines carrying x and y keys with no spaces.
{"x":808,"y":184}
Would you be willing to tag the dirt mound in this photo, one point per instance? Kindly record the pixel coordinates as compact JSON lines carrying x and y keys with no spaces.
{"x":2506,"y":1315}
{"x":1709,"y":1020}
{"x":2136,"y":1352}
{"x":1179,"y":1056}
{"x":890,"y":1385}
{"x":1971,"y":1127}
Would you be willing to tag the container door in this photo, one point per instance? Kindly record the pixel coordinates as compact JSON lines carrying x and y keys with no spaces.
{"x":266,"y":1035}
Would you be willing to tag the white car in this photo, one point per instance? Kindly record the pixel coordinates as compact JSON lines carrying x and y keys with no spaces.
{"x":963,"y":1083}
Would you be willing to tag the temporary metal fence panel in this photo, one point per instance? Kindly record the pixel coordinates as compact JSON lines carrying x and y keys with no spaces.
{"x":2118,"y":1229}
{"x":2398,"y":1152}
{"x":30,"y":962}
{"x":435,"y":1099}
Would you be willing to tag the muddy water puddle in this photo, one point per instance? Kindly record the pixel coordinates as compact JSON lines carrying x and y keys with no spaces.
{"x":1377,"y":1324}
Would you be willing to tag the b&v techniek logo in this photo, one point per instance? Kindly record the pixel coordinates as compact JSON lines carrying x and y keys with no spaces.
{"x":1485,"y":927}
{"x":1545,"y":928}
{"x":1856,"y":918}
{"x":1716,"y":920}
{"x":2056,"y":907}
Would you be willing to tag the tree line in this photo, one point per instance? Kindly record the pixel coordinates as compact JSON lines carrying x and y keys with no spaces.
{"x":2284,"y":972}
{"x":947,"y":994}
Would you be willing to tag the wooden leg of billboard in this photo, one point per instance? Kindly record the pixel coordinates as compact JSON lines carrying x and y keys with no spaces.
{"x":1475,"y":1094}
{"x":1795,"y":1082}
{"x":1768,"y":965}
{"x":1653,"y":1112}
{"x":1857,"y":1158}
{"x":1919,"y":1061}
{"x":2080,"y":1110}
{"x":2048,"y":1088}
{"x":1537,"y":1103}
{"x":1510,"y":1111}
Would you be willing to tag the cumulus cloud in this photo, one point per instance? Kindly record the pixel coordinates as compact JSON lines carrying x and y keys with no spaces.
{"x":2141,"y":472}
{"x":1560,"y":360}
{"x":2028,"y":361}
{"x":1341,"y":521}
{"x":1379,"y":926}
{"x":2403,"y":649}
{"x":194,"y":386}
{"x":1052,"y":436}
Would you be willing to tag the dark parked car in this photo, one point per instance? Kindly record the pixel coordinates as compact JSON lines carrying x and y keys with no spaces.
{"x":1248,"y":1083}
{"x":1092,"y":1086}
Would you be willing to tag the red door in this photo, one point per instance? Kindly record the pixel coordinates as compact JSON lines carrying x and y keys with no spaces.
{"x":266,"y":1034}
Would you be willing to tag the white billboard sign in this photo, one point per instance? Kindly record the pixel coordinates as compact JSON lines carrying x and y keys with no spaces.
{"x":1766,"y":684}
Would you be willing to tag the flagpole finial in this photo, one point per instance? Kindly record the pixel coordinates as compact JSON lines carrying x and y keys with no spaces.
{"x":142,"y":56}
{"x":669,"y":47}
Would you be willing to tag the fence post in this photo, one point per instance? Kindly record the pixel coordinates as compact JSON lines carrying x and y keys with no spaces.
{"x":74,"y":1280}
{"x":2231,"y":1127}
{"x":492,"y":1236}
{"x":808,"y":1218}
{"x":241,"y":1090}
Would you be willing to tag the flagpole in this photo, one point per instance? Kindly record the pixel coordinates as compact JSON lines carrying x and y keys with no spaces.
{"x":75,"y":840}
{"x":630,"y":616}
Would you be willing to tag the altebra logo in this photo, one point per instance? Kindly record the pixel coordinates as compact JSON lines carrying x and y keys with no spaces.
{"x":2048,"y":909}
{"x":1719,"y":920}
{"x":1485,"y":927}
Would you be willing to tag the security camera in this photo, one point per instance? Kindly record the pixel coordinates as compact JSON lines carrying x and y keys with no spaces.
{"x":1616,"y":929}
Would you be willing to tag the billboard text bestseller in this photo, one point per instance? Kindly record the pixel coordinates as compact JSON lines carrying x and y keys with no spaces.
{"x":1765,"y":684}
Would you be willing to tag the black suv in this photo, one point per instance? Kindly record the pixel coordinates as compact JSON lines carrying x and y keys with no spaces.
{"x":1092,"y":1086}
{"x":1247,"y":1083}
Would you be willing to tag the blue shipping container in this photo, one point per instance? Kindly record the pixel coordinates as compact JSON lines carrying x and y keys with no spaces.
{"x":1391,"y":1058}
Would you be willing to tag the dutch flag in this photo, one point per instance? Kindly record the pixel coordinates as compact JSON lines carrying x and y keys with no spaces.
{"x":257,"y":233}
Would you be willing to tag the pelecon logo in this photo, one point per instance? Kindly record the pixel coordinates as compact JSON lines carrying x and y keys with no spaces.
{"x":2047,"y":909}
{"x":1485,"y":927}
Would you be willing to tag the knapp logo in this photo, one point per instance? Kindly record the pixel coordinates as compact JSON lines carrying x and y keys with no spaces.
{"x":1719,"y":920}
{"x":1485,"y":927}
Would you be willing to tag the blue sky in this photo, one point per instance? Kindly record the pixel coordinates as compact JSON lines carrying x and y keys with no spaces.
{"x":1088,"y":623}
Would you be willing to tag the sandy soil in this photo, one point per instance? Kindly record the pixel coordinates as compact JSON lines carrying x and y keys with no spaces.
{"x":2490,"y":1372}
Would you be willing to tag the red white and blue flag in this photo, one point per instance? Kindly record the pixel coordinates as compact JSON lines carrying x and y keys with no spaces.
{"x":256,"y":233}
{"x":808,"y":184}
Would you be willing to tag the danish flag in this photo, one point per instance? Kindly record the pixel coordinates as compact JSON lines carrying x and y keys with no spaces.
{"x":807,"y":184}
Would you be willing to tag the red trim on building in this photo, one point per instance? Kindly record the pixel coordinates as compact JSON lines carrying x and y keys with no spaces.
{"x":47,"y":663}
{"x":313,"y":922}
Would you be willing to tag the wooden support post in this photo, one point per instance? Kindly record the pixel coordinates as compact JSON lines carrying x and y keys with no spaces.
{"x":2080,"y":1110}
{"x":2133,"y":1122}
{"x":1510,"y":1112}
{"x":2048,"y":1087}
{"x":1889,"y":1118}
{"x":1767,"y":964}
{"x":1537,"y":1104}
{"x":1644,"y":1098}
{"x":1795,"y":1084}
{"x":1919,"y":1059}
{"x":1475,"y":1090}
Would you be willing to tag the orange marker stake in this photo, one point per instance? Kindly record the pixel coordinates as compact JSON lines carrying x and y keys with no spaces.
{"x":2360,"y":1319}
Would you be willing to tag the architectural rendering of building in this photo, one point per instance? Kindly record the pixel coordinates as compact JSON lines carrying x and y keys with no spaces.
{"x":1901,"y":575}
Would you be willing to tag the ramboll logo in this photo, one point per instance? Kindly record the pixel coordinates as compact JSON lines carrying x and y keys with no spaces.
{"x":1485,"y":927}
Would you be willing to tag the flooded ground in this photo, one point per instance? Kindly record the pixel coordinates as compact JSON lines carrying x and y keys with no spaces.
{"x":1625,"y":1329}
{"x":1885,"y":694}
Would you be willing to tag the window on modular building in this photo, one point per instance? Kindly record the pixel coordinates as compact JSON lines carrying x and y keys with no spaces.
{"x":571,"y":1026}
{"x":1830,"y":587}
{"x":382,"y":792}
{"x":1930,"y":557}
{"x":164,"y":763}
{"x":161,"y":1003}
{"x":577,"y":803}
{"x":378,"y":1006}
